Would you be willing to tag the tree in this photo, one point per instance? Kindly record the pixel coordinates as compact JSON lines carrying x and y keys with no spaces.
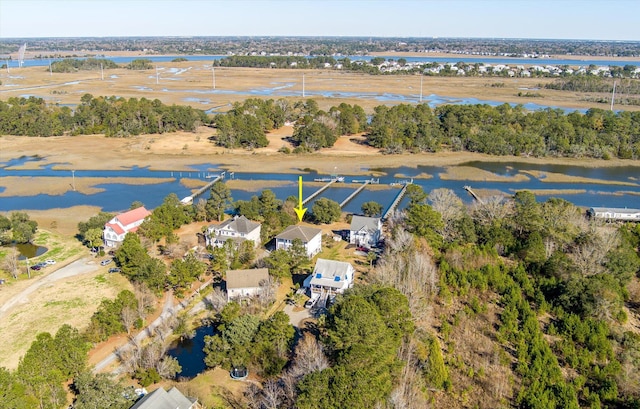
{"x":371,"y":209}
{"x":10,"y":263}
{"x":101,"y":391}
{"x":326,"y":210}
{"x":423,"y":221}
{"x":218,"y":201}
{"x":93,"y":237}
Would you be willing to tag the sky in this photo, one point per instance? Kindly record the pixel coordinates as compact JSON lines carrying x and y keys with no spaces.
{"x":554,"y":19}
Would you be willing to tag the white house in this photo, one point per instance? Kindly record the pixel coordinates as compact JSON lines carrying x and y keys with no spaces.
{"x":238,"y":229}
{"x":246,"y":283}
{"x":310,"y":237}
{"x":171,"y":399}
{"x":330,"y":277}
{"x":118,"y":227}
{"x":365,"y":231}
{"x":612,"y":213}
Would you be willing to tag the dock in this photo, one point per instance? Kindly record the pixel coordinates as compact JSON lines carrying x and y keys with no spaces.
{"x":190,"y":199}
{"x":317,"y":192}
{"x":473,"y":194}
{"x":354,"y":194}
{"x":395,"y":202}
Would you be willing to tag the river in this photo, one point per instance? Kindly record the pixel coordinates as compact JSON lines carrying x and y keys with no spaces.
{"x":603,"y":187}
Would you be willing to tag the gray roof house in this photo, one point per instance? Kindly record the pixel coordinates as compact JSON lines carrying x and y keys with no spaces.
{"x":237,"y":229}
{"x":310,"y":237}
{"x":330,"y":277}
{"x":161,"y":399}
{"x":246,"y":283}
{"x":365,"y":231}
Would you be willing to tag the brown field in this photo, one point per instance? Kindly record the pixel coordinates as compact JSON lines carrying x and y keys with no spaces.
{"x":191,"y":83}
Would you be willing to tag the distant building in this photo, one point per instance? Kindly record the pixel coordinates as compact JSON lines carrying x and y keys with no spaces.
{"x":237,"y":229}
{"x":127,"y":222}
{"x":615,"y":214}
{"x":365,"y":231}
{"x":161,"y":399}
{"x":310,"y":237}
{"x":330,"y":277}
{"x":246,"y":283}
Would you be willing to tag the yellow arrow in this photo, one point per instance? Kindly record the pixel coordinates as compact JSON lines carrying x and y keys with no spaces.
{"x":300,"y":210}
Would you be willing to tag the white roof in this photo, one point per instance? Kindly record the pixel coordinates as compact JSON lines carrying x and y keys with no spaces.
{"x":331,"y":273}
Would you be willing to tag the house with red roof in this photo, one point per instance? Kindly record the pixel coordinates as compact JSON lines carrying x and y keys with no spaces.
{"x":118,"y":227}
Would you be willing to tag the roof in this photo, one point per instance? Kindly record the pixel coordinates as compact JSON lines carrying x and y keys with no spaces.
{"x":240,"y":224}
{"x":615,"y":210}
{"x":330,"y":273}
{"x":133,"y":216}
{"x":246,"y":278}
{"x":304,"y":233}
{"x":115,"y":227}
{"x":363,"y":222}
{"x":161,"y":399}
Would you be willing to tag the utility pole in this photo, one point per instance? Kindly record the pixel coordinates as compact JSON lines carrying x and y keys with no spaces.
{"x":421,"y":88}
{"x":157,"y":76}
{"x":73,"y":180}
{"x":101,"y":72}
{"x":302,"y":85}
{"x":613,"y":95}
{"x":213,"y":73}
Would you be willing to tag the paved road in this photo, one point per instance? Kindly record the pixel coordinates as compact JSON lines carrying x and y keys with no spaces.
{"x":82,"y":266}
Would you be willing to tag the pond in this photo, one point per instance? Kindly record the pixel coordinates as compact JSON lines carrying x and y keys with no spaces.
{"x":190,"y":354}
{"x":28,"y":250}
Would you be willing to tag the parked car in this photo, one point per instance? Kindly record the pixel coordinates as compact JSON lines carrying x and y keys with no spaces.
{"x":50,"y":262}
{"x":105,"y":262}
{"x":310,"y":303}
{"x":42,"y":264}
{"x":36,"y":267}
{"x":114,"y":270}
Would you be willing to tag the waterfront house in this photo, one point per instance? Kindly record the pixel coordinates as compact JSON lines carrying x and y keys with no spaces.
{"x":310,"y":237}
{"x":365,"y":231}
{"x":615,"y":214}
{"x":237,"y":229}
{"x":127,"y":222}
{"x":246,"y":283}
{"x":161,"y":399}
{"x":330,"y":277}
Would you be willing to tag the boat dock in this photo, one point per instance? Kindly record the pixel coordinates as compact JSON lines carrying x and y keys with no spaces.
{"x":317,"y":192}
{"x":190,"y":199}
{"x":395,"y":202}
{"x":472,"y":193}
{"x":354,"y":194}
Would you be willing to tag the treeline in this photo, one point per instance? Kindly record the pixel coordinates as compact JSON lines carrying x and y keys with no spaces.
{"x":275,"y":61}
{"x":112,"y":116}
{"x":88,"y":64}
{"x":592,"y":83}
{"x":505,"y":130}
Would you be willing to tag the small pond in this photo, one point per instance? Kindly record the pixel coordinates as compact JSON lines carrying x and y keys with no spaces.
{"x":190,"y":354}
{"x":28,"y":250}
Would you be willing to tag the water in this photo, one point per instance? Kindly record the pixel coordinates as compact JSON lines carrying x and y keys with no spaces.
{"x":119,"y":196}
{"x":190,"y":354}
{"x":28,"y":250}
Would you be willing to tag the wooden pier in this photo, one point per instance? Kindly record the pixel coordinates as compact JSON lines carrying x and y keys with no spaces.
{"x":472,"y":193}
{"x":395,"y":202}
{"x":317,"y":192}
{"x":190,"y":199}
{"x":354,"y":194}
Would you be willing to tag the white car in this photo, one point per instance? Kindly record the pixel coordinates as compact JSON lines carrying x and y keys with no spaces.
{"x":50,"y":262}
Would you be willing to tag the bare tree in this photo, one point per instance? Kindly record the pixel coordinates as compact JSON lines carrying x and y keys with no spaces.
{"x":129,"y":317}
{"x":11,"y":264}
{"x":408,"y":393}
{"x":146,"y":299}
{"x":217,"y":299}
{"x":491,"y":209}
{"x":267,"y":292}
{"x":271,"y":395}
{"x":450,"y":207}
{"x":309,"y":357}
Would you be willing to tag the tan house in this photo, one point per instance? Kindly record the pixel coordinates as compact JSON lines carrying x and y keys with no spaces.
{"x":246,"y":283}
